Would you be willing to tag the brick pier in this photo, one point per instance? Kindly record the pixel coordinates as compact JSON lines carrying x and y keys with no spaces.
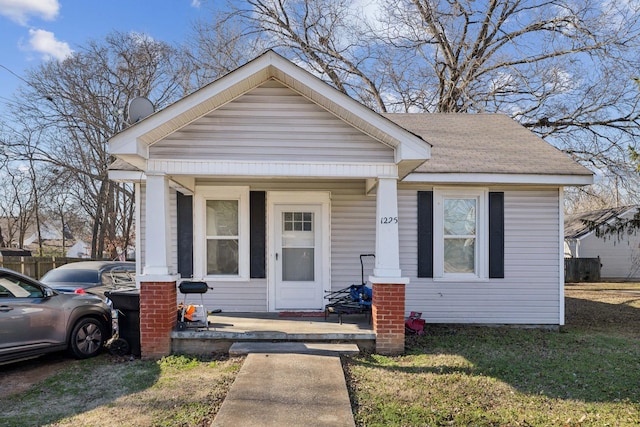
{"x":388,"y":317}
{"x":158,"y":316}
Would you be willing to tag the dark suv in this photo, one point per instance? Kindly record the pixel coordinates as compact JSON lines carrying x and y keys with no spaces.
{"x":93,"y":277}
{"x":35,"y":319}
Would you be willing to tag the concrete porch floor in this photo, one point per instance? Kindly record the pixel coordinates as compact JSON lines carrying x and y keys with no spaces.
{"x":228,"y":328}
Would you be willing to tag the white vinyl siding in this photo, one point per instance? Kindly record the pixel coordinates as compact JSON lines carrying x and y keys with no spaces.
{"x":529,"y":292}
{"x":271,"y":123}
{"x":352,"y":234}
{"x":620,"y":259}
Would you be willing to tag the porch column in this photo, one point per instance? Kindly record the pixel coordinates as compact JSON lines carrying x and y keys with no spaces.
{"x":158,"y":299}
{"x":388,"y":303}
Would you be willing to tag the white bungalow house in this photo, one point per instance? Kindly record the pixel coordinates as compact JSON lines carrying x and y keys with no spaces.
{"x":619,"y":253}
{"x":268,"y":184}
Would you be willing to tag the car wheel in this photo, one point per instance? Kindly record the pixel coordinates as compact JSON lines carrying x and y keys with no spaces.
{"x":119,"y":347}
{"x":87,"y":338}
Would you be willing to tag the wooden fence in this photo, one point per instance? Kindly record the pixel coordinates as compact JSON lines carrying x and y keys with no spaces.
{"x":35,"y":267}
{"x":581,"y":270}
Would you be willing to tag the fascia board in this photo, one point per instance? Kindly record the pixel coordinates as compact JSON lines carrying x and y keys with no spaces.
{"x":127,"y":176}
{"x":486,"y":178}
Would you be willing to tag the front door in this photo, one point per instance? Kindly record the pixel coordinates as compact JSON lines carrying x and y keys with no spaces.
{"x":298,"y":256}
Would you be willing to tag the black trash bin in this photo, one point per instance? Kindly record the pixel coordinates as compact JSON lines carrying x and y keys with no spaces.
{"x":127,"y":302}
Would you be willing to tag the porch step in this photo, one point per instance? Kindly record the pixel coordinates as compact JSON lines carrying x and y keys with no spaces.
{"x":324,"y":349}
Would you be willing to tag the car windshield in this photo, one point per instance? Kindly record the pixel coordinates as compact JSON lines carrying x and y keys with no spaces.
{"x":75,"y":276}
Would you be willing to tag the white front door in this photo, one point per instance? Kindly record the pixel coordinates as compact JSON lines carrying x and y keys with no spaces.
{"x":299,"y":256}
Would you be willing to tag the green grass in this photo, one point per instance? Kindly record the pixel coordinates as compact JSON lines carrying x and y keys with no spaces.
{"x":500,"y":377}
{"x":174,"y":391}
{"x":588,"y":374}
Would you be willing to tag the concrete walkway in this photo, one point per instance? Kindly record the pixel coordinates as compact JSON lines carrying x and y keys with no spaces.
{"x":288,"y":384}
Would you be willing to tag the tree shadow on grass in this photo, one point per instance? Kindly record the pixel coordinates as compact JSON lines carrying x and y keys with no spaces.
{"x":619,"y":319}
{"x":83,"y":385}
{"x":581,"y":362}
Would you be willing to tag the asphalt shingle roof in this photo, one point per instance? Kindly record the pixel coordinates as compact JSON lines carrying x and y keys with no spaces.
{"x":577,"y":225}
{"x":485,"y":143}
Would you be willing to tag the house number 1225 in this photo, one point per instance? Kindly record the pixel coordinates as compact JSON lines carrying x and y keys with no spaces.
{"x":389,"y":220}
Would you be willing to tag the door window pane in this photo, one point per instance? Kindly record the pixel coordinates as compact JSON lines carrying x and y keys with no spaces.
{"x":297,"y":221}
{"x":298,"y":243}
{"x":297,"y":264}
{"x":297,"y":229}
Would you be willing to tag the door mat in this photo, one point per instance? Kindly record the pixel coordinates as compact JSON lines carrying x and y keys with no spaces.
{"x":301,"y":314}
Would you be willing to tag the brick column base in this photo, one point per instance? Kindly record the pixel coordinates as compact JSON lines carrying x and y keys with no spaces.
{"x":158,"y":316}
{"x":387,"y":311}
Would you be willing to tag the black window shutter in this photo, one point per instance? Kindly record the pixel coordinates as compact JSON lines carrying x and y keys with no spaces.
{"x":258,"y":234}
{"x":496,"y":235}
{"x":425,"y":233}
{"x":185,"y":234}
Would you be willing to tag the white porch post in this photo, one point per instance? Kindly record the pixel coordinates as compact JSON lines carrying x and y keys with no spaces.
{"x":157,"y":226}
{"x":387,"y":242}
{"x":388,"y":286}
{"x":158,"y":299}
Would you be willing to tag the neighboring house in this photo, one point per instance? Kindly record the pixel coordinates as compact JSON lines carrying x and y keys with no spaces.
{"x":619,"y":253}
{"x":48,"y":231}
{"x":268,"y":184}
{"x":79,"y":249}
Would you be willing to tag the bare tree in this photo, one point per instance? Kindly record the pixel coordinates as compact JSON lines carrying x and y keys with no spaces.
{"x":326,"y":36}
{"x":80,"y":102}
{"x":219,"y":47}
{"x":563,"y":68}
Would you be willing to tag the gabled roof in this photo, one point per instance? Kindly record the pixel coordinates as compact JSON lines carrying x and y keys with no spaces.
{"x":581,"y":224}
{"x":489,"y":144}
{"x":132,"y":144}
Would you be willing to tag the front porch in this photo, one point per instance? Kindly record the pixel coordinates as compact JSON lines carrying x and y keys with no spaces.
{"x":228,"y":328}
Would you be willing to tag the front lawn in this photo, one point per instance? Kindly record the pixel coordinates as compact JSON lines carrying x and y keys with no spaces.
{"x":588,"y":374}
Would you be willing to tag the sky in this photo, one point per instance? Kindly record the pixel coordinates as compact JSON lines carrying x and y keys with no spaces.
{"x":34,"y":31}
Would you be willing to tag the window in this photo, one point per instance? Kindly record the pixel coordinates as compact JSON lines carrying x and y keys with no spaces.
{"x":222,"y":232}
{"x":11,"y":287}
{"x":222,"y":237}
{"x":460,"y":234}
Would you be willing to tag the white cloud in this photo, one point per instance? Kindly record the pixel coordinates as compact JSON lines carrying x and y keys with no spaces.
{"x":195,"y":3}
{"x":45,"y":43}
{"x":20,"y":10}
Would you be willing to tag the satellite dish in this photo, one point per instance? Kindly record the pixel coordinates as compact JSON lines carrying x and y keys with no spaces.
{"x":139,"y":108}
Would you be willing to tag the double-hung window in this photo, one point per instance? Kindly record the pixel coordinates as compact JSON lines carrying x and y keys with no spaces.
{"x":222,"y":232}
{"x":460,"y":234}
{"x":222,"y":237}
